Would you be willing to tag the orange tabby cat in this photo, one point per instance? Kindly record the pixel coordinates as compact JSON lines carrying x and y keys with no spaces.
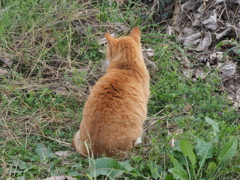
{"x":117,"y":106}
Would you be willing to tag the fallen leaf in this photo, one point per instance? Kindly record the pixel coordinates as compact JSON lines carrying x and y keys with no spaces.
{"x":148,"y":53}
{"x":205,"y":42}
{"x":3,"y":71}
{"x":61,"y":90}
{"x":193,"y":39}
{"x":197,"y":19}
{"x":202,"y":8}
{"x":7,"y":59}
{"x":219,"y":1}
{"x":200,"y":74}
{"x":188,"y":72}
{"x":234,"y":96}
{"x":188,"y":6}
{"x":228,"y":70}
{"x":62,"y":153}
{"x":181,"y":56}
{"x":218,"y":55}
{"x":211,"y":22}
{"x":60,"y":178}
{"x":186,"y":32}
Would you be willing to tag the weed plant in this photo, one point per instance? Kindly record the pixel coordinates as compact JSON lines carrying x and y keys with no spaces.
{"x":51,"y":52}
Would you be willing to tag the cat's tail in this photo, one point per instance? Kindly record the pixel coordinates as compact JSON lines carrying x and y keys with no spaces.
{"x":81,"y":147}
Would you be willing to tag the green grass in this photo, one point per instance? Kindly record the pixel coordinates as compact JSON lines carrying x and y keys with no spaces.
{"x":56,"y":59}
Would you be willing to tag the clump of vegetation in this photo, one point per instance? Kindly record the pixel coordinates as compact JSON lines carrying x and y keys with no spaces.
{"x":51,"y":56}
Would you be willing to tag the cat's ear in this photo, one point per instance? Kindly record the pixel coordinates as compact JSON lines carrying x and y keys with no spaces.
{"x":109,"y":38}
{"x":136,"y":34}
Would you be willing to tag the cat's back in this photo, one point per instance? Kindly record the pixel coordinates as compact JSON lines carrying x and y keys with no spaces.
{"x":117,"y":91}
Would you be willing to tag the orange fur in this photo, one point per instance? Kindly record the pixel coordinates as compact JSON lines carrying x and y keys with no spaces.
{"x":117,"y":106}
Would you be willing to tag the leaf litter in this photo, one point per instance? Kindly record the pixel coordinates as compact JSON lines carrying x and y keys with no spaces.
{"x":201,"y":26}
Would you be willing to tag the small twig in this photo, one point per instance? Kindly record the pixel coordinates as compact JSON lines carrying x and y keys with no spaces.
{"x":69,"y":49}
{"x":224,"y":33}
{"x":226,"y":10}
{"x":53,"y":139}
{"x":176,"y":13}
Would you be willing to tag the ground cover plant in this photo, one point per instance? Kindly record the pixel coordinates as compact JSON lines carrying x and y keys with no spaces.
{"x":52,"y":53}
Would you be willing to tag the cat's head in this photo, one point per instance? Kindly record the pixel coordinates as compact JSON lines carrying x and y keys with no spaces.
{"x":117,"y":45}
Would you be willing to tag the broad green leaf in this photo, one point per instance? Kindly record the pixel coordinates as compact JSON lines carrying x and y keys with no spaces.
{"x":204,"y":150}
{"x":179,"y":156}
{"x":73,"y":173}
{"x":211,"y":167}
{"x":177,"y":153}
{"x":214,"y":125}
{"x":177,"y":146}
{"x":22,"y":165}
{"x":175,"y":162}
{"x":228,"y":150}
{"x":187,"y":150}
{"x":44,"y":153}
{"x":178,"y":174}
{"x":169,"y":177}
{"x":155,"y":170}
{"x":109,"y":167}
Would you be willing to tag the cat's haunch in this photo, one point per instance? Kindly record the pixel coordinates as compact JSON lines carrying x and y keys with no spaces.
{"x":117,"y":105}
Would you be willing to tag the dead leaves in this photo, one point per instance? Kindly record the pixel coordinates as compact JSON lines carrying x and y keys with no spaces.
{"x":196,"y":26}
{"x":201,"y":26}
{"x":205,"y":41}
{"x":193,"y":39}
{"x":227,"y":70}
{"x":3,"y":71}
{"x":62,"y":154}
{"x":60,"y":178}
{"x":148,"y":54}
{"x":7,"y":60}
